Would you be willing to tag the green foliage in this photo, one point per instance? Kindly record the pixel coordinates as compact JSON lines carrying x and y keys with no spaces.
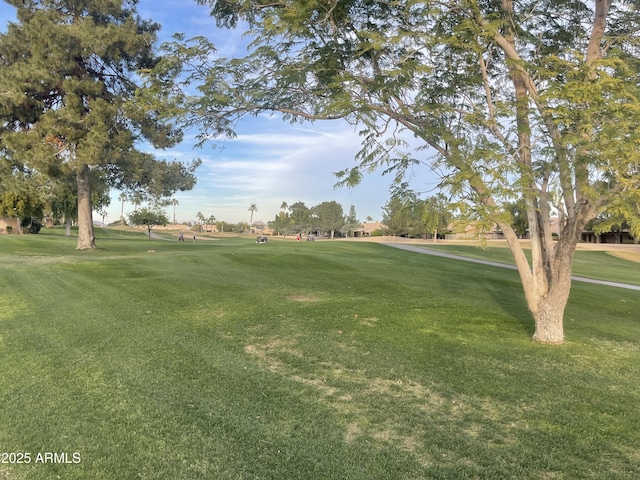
{"x":300,"y":218}
{"x":406,"y":214}
{"x":518,"y":217}
{"x":281,"y":224}
{"x":152,"y":179}
{"x":23,"y":202}
{"x":624,"y":212}
{"x":223,"y":226}
{"x":241,"y":227}
{"x":329,"y":215}
{"x":148,"y":217}
{"x":70,"y":99}
{"x":439,"y":74}
{"x":435,"y":214}
{"x":397,"y":216}
{"x":31,"y":225}
{"x":351,"y":222}
{"x":533,"y":100}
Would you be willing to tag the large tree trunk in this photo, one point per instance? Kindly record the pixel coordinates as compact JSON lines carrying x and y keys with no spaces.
{"x":549,"y":320}
{"x":546,"y":282}
{"x":86,"y":237}
{"x":549,"y":312}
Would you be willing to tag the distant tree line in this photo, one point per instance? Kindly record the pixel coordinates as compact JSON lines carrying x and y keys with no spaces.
{"x":403,"y":215}
{"x":325,"y":219}
{"x":407,"y":215}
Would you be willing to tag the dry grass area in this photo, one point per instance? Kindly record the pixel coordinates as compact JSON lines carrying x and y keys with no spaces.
{"x":627,"y":255}
{"x":5,"y":474}
{"x":303,"y":298}
{"x":358,"y":398}
{"x":350,"y":393}
{"x":624,"y":251}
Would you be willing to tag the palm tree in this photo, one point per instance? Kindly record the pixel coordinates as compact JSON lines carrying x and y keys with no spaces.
{"x":174,"y":202}
{"x":201,"y":218}
{"x":136,"y":198}
{"x":211,"y":221}
{"x":252,"y":209}
{"x":123,"y":197}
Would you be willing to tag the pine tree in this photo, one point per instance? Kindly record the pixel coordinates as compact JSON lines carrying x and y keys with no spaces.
{"x":70,"y":104}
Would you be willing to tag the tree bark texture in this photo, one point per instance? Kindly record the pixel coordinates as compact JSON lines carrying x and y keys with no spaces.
{"x":551,"y":305}
{"x":86,"y":236}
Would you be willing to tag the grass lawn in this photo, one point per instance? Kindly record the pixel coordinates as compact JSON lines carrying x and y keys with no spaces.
{"x":599,"y":265}
{"x":223,"y":359}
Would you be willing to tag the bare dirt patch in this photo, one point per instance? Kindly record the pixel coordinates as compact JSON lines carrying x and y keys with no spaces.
{"x":303,"y":298}
{"x":267,"y":352}
{"x":369,"y":321}
{"x":204,"y":316}
{"x":358,"y":398}
{"x":5,"y":474}
{"x":36,"y":260}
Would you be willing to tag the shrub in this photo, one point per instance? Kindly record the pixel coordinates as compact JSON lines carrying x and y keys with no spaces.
{"x":31,"y":225}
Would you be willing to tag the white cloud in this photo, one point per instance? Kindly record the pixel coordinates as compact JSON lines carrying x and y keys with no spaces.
{"x":270,"y":161}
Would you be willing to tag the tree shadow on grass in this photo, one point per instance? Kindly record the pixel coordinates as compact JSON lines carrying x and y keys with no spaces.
{"x":507,"y":294}
{"x":500,"y":284}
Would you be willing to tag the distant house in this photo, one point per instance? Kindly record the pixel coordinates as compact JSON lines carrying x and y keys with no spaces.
{"x":366,"y":229}
{"x":258,"y":226}
{"x":622,"y":236}
{"x":589,"y":236}
{"x":494,"y":233}
{"x":11,"y":222}
{"x":471,"y":232}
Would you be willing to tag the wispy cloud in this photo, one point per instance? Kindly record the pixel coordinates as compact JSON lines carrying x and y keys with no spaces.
{"x":270,"y":161}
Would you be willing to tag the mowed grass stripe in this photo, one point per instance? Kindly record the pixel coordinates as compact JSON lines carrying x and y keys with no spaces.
{"x":227,"y":359}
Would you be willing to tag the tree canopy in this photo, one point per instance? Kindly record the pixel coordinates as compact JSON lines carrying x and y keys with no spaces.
{"x":330,"y":216}
{"x":72,"y":106}
{"x":148,"y":217}
{"x":529,"y":100}
{"x":351,"y":222}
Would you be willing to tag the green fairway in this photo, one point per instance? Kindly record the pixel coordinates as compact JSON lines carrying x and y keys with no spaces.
{"x":224,"y":359}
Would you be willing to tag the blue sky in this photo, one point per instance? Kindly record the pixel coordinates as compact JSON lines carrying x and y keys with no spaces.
{"x":270,"y":161}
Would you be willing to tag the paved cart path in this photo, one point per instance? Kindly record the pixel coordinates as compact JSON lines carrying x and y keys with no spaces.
{"x":414,"y":248}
